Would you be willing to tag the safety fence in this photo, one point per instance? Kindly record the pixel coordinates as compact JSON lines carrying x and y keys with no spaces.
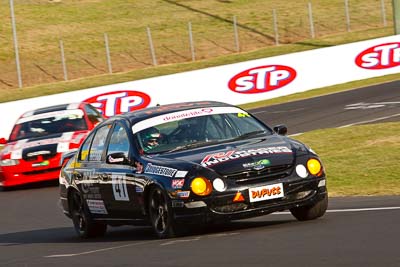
{"x":36,"y":57}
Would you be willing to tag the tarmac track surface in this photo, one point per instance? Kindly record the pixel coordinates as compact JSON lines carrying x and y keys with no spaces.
{"x":374,"y":104}
{"x":356,"y":231}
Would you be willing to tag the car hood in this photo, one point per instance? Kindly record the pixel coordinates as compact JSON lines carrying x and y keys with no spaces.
{"x":46,"y":145}
{"x":233,"y":157}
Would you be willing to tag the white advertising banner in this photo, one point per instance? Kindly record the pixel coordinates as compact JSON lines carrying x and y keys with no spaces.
{"x":237,"y":83}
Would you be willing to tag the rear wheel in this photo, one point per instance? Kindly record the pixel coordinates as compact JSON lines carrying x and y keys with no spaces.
{"x":160,"y":213}
{"x":84,"y":225}
{"x":312,"y":212}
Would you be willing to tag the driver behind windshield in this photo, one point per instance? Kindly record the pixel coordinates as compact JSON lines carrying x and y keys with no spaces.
{"x":151,"y":138}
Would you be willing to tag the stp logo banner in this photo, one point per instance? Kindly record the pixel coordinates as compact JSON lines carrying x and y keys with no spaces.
{"x":117,"y":102}
{"x":382,"y":56}
{"x":262,"y":79}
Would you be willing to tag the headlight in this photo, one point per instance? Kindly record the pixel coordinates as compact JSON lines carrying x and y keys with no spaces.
{"x":314,"y":167}
{"x":219,"y":185}
{"x":301,"y":171}
{"x":201,"y":186}
{"x":9,"y":162}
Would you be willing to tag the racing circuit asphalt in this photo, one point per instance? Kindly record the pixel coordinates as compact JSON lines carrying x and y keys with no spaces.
{"x":356,"y":231}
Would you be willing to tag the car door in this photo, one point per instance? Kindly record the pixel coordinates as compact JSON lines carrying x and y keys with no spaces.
{"x":86,"y":172}
{"x":118,"y":176}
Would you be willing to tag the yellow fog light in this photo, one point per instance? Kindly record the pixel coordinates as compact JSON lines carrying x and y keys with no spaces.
{"x":314,"y":167}
{"x":201,"y":186}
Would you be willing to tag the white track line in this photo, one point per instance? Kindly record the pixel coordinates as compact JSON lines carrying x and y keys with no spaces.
{"x":349,"y":210}
{"x":373,"y":120}
{"x":356,"y":123}
{"x":196,"y":239}
{"x":99,"y":250}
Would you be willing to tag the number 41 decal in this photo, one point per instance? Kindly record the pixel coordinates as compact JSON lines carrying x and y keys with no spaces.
{"x":119,"y":187}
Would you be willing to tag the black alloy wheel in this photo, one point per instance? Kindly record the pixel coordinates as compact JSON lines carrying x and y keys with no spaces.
{"x":84,"y":226}
{"x":160,"y":212}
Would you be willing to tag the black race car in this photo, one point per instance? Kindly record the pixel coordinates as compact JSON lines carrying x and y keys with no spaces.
{"x":185,"y":163}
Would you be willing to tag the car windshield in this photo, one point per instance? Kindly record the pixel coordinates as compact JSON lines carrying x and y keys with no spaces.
{"x":189,"y":129}
{"x":44,"y":124}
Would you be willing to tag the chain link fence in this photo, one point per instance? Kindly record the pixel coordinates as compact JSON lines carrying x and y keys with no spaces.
{"x":52,"y":53}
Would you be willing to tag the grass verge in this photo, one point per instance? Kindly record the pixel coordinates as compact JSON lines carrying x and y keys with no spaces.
{"x":360,"y":160}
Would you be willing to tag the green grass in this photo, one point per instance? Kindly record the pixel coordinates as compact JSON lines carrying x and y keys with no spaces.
{"x":359,"y":160}
{"x":81,"y":25}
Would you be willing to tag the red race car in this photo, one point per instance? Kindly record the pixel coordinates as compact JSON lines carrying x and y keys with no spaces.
{"x":38,"y":140}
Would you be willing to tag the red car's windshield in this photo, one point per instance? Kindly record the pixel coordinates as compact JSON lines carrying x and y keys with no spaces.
{"x":48,"y":123}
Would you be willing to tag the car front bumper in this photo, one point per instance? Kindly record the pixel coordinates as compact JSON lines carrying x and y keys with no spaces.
{"x":25,"y":173}
{"x":222,"y":207}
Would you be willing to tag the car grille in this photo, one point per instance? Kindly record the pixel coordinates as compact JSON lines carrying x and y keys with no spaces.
{"x":42,"y":171}
{"x":49,"y":152}
{"x":35,"y":158}
{"x":224,"y":207}
{"x":254,"y":176}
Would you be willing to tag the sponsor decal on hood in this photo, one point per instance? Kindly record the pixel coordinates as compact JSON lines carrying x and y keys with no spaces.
{"x":381,"y":56}
{"x":160,"y":170}
{"x":259,"y":165}
{"x":215,"y":158}
{"x":177,"y":183}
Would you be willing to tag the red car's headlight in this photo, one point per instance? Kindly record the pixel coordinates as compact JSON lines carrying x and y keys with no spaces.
{"x":9,"y":162}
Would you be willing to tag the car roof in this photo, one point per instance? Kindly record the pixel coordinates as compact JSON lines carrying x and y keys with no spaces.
{"x":53,"y":108}
{"x":150,"y":112}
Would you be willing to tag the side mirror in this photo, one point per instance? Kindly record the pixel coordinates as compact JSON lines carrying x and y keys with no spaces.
{"x":3,"y":141}
{"x":117,"y":158}
{"x":280,"y":129}
{"x":66,"y":156}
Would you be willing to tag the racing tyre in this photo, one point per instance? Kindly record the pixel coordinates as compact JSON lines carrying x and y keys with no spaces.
{"x":84,"y":226}
{"x":160,"y":213}
{"x":312,"y":212}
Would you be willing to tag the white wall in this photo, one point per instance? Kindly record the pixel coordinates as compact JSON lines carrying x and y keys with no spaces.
{"x":267,"y":78}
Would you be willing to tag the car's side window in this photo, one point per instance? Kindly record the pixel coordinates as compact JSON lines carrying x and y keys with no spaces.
{"x":119,"y":141}
{"x":245,"y":124}
{"x":93,"y":115}
{"x":99,"y":140}
{"x":83,"y":155}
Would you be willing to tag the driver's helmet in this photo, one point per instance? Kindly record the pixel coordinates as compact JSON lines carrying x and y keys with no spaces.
{"x":150,"y":138}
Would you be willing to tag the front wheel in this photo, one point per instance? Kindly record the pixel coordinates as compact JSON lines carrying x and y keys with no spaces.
{"x":160,"y":213}
{"x":312,"y":212}
{"x":84,"y":226}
